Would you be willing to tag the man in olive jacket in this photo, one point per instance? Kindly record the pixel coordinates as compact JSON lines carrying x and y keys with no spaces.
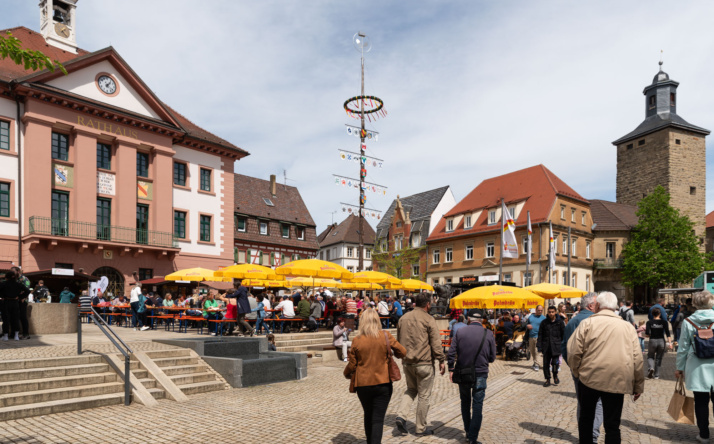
{"x":604,"y":354}
{"x":418,"y":333}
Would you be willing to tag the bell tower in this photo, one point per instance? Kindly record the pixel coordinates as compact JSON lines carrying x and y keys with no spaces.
{"x":58,"y":23}
{"x":664,"y":150}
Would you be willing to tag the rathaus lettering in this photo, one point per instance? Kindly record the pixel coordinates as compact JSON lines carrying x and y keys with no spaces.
{"x":107,"y":127}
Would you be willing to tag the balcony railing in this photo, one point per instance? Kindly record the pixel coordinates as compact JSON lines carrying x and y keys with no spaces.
{"x":89,"y":231}
{"x":607,"y":263}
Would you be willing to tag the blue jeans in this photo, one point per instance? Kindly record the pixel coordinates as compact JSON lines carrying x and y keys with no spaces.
{"x":642,"y":344}
{"x":259,"y":323}
{"x":472,"y":396}
{"x":135,"y":314}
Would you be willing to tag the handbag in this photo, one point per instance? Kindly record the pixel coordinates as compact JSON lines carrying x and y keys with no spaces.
{"x":467,"y":375}
{"x":394,"y":373}
{"x":681,"y":406}
{"x":703,"y":341}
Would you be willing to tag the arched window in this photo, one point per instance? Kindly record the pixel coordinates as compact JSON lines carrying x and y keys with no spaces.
{"x":116,"y":280}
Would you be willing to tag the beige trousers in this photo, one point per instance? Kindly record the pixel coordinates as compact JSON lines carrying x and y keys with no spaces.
{"x":535,"y":354}
{"x":420,"y":380}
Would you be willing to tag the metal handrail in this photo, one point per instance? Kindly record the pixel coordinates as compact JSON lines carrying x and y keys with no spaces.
{"x":92,"y":231}
{"x":126,"y":351}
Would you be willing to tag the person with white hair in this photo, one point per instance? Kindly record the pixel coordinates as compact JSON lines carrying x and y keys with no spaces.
{"x":694,"y":363}
{"x":604,"y":354}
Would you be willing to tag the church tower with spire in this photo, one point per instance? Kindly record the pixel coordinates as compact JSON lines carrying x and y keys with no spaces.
{"x":664,"y":150}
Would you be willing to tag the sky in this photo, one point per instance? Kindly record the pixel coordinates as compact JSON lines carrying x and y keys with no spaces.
{"x":473,"y":89}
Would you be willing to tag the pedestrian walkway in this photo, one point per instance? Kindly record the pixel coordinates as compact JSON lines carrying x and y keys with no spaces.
{"x":518,"y":409}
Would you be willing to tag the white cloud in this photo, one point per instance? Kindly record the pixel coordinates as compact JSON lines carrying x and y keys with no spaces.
{"x":473,"y":89}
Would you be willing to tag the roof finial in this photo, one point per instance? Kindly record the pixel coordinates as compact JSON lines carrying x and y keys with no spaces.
{"x":661,"y":55}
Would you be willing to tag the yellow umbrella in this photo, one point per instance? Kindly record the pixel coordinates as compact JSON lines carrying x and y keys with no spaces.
{"x":361,"y":286}
{"x":411,"y":285}
{"x":311,"y":282}
{"x":496,"y":296}
{"x":552,"y":291}
{"x":314,"y":268}
{"x":193,"y":274}
{"x":263,"y":283}
{"x":375,"y":277}
{"x":246,"y":271}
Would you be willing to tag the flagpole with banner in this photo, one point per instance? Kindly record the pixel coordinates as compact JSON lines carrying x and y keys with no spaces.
{"x":530,"y":248}
{"x":500,"y":255}
{"x":551,"y":255}
{"x":509,"y":244}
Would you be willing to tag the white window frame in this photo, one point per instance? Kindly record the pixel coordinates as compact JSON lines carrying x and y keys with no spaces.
{"x":449,"y":225}
{"x":583,"y":216}
{"x":300,"y":233}
{"x":614,"y":250}
{"x":492,"y":247}
{"x":587,"y":249}
{"x":573,"y":247}
{"x":512,"y":211}
{"x":524,"y":243}
{"x":527,"y":278}
{"x":587,"y":282}
{"x":508,"y":277}
{"x":469,"y":252}
{"x":416,"y":240}
{"x":562,"y":212}
{"x":492,"y":217}
{"x":565,"y":245}
{"x":467,"y":221}
{"x":572,"y":214}
{"x":398,"y":242}
{"x":415,"y":269}
{"x":448,"y":255}
{"x":351,"y":268}
{"x":350,"y":251}
{"x":436,"y":256}
{"x":574,"y":280}
{"x":565,"y":278}
{"x":261,"y":225}
{"x":367,"y":253}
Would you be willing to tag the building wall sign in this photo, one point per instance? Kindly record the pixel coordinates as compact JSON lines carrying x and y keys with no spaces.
{"x":144,"y":190}
{"x":62,"y":272}
{"x":107,"y":127}
{"x":106,"y":183}
{"x":63,"y":175}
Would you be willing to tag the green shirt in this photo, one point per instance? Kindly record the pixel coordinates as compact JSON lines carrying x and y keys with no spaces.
{"x":303,"y":308}
{"x":209,"y":304}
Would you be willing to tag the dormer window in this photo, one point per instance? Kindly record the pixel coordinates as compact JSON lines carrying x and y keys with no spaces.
{"x":467,"y":221}
{"x":492,"y":217}
{"x":450,"y":225}
{"x":268,"y":202}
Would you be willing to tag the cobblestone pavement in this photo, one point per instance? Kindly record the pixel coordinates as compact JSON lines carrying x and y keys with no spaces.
{"x":319,"y":409}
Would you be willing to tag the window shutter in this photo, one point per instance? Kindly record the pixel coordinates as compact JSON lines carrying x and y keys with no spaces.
{"x":235,"y":255}
{"x":260,"y":257}
{"x":248,"y":256}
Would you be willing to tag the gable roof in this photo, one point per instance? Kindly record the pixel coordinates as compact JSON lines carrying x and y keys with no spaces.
{"x":31,"y":40}
{"x":346,"y":231}
{"x":288,"y":203}
{"x":420,"y":207}
{"x":537,"y":186}
{"x":613,"y":216}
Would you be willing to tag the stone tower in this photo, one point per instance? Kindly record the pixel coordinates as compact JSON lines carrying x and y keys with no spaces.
{"x":664,"y":150}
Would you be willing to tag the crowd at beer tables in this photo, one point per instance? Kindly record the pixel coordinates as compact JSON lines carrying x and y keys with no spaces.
{"x":300,"y":310}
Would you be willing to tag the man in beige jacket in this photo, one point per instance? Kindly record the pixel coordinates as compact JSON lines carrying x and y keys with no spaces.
{"x":605,"y":355}
{"x":418,"y":333}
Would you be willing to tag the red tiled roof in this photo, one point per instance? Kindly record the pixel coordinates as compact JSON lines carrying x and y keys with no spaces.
{"x":32,"y":40}
{"x":537,"y":185}
{"x":710,"y":219}
{"x":613,"y":216}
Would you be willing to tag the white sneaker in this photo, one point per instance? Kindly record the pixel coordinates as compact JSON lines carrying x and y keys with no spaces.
{"x":144,"y":328}
{"x":4,"y":337}
{"x":136,"y":329}
{"x":17,"y":337}
{"x":700,"y":439}
{"x":213,"y":333}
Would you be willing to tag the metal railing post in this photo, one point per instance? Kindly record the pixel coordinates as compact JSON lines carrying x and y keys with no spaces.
{"x":79,"y":333}
{"x":127,"y":380}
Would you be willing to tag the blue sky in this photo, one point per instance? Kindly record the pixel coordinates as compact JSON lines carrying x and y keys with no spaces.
{"x":473,"y":89}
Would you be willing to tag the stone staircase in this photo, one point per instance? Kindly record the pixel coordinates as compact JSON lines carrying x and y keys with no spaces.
{"x":32,"y":387}
{"x":318,"y":346}
{"x":184,"y":368}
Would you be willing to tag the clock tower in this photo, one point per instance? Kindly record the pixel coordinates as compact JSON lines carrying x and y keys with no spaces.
{"x":57,"y":23}
{"x":664,"y":150}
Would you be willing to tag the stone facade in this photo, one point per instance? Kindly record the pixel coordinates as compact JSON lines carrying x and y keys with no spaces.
{"x":673,"y":158}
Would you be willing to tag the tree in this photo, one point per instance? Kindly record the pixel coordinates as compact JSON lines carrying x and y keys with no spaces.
{"x":663,"y":249}
{"x":394,"y":262}
{"x":11,"y":47}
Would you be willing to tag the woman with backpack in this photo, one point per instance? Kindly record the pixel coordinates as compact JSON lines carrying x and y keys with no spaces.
{"x":695,"y":358}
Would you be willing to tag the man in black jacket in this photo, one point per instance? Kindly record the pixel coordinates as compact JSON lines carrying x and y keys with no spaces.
{"x":11,"y":292}
{"x":550,"y":336}
{"x":464,"y":353}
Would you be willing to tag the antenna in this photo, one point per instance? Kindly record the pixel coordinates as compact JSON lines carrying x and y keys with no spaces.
{"x":333,"y":216}
{"x":285,"y":178}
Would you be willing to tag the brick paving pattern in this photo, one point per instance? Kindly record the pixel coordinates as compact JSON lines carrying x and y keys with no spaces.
{"x":319,"y":409}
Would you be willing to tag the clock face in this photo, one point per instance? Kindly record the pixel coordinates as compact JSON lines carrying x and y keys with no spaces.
{"x":62,"y":30}
{"x":107,"y":84}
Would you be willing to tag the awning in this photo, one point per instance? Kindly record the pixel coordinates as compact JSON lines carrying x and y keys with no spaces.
{"x":60,"y":273}
{"x":6,"y":266}
{"x":678,"y":290}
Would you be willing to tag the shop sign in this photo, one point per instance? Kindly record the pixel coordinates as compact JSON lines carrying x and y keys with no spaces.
{"x":144,"y":190}
{"x":63,"y":175}
{"x":106,"y":183}
{"x":62,"y":272}
{"x":493,"y":278}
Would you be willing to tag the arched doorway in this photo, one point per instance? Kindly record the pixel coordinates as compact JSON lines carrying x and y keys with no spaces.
{"x":116,"y":280}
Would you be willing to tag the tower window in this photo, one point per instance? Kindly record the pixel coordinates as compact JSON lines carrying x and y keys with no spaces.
{"x":640,"y":142}
{"x":652,"y":101}
{"x":693,"y":191}
{"x":629,"y":146}
{"x":672,"y":99}
{"x":677,"y":141}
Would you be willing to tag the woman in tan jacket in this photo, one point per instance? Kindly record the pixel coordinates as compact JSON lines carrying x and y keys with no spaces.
{"x":368,"y":360}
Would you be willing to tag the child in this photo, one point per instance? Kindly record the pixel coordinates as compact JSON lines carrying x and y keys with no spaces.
{"x":271,"y":342}
{"x":641,"y":334}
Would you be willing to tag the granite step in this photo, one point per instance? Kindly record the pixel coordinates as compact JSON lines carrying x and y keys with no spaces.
{"x":53,"y":372}
{"x":41,"y":396}
{"x":172,"y":353}
{"x":175,"y":361}
{"x":201,"y":387}
{"x":61,"y":405}
{"x":185,"y":369}
{"x":190,"y":378}
{"x":53,"y":383}
{"x":19,"y":364}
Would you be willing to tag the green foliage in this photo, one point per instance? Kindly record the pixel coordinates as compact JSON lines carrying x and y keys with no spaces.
{"x":10,"y":47}
{"x":397,"y":263}
{"x":663,"y":249}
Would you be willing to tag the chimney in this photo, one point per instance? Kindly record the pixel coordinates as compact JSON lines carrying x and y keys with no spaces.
{"x":272,"y":185}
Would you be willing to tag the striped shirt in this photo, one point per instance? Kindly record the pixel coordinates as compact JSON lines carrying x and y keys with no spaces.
{"x":85,"y":303}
